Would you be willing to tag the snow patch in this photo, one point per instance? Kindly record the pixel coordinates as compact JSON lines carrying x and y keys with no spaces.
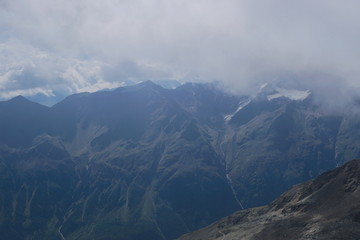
{"x":241,"y":106}
{"x":296,"y":95}
{"x":264,"y":85}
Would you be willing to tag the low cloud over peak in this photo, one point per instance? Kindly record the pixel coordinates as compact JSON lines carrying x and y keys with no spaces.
{"x":87,"y":45}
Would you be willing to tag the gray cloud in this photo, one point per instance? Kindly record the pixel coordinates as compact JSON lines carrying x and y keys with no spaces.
{"x":87,"y":45}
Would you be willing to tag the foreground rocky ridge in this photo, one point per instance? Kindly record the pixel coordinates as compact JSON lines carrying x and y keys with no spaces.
{"x":325,"y":208}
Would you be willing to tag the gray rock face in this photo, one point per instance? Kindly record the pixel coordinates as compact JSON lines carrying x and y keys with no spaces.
{"x":325,"y":208}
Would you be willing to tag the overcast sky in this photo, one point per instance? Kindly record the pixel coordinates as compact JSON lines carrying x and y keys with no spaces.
{"x":63,"y":46}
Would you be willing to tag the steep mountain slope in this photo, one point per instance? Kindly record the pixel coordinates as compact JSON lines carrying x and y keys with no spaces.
{"x":144,"y":162}
{"x":21,"y":121}
{"x":36,"y":184}
{"x":136,"y":166}
{"x":325,"y":208}
{"x":272,"y":144}
{"x":272,"y":140}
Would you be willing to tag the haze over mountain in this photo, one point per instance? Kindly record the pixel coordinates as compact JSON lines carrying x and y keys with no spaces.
{"x":109,"y":155}
{"x":144,"y":162}
{"x":57,"y":49}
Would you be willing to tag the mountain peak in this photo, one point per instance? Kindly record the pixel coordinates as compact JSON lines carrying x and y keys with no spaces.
{"x":19,"y":98}
{"x":19,"y":101}
{"x":21,"y":104}
{"x":148,"y":83}
{"x":145,"y":85}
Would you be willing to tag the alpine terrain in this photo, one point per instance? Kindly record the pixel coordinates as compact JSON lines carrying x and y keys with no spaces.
{"x":325,"y":208}
{"x":144,"y":162}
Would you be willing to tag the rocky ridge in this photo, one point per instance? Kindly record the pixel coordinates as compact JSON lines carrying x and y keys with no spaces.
{"x":327,"y":207}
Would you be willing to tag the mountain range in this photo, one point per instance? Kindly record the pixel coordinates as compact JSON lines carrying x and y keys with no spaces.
{"x":145,"y":162}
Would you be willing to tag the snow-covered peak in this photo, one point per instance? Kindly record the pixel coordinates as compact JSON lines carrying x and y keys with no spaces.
{"x":290,"y":94}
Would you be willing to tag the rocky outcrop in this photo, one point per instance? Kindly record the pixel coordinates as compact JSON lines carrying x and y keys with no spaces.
{"x":325,"y":208}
